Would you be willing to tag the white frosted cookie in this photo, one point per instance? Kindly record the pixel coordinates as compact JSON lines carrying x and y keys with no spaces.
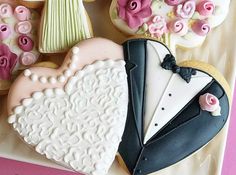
{"x":74,"y":115}
{"x":184,"y":23}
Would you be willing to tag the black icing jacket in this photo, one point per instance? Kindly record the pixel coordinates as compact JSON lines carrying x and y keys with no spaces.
{"x":189,"y":130}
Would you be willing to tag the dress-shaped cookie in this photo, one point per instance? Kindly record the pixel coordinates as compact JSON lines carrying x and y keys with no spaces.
{"x":64,"y":23}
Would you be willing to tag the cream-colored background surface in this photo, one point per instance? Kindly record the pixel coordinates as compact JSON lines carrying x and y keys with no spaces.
{"x":219,"y":50}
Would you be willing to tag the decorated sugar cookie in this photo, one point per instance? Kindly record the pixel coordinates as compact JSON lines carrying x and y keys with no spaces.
{"x":174,"y":109}
{"x":74,"y":115}
{"x":64,"y":23}
{"x":18,"y":40}
{"x":184,"y":23}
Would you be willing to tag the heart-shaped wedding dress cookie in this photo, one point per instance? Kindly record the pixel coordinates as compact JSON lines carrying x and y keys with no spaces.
{"x":75,"y":115}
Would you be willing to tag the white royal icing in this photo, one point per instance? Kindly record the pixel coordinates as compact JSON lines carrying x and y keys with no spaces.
{"x":80,"y":126}
{"x":166,"y":93}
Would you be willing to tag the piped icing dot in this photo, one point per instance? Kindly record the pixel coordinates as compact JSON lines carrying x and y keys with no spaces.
{"x":61,"y":79}
{"x":173,"y":2}
{"x":27,"y":58}
{"x":178,"y":26}
{"x":75,"y":58}
{"x":201,"y":27}
{"x":52,"y":80}
{"x":34,"y":77}
{"x":27,"y":73}
{"x":75,"y":50}
{"x":43,"y":80}
{"x":25,"y":43}
{"x":68,"y":73}
{"x":5,"y":31}
{"x":185,"y":10}
{"x":24,"y":27}
{"x":206,"y":7}
{"x":22,"y":13}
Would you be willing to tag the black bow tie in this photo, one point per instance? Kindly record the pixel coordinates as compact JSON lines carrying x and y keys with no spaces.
{"x":169,"y":63}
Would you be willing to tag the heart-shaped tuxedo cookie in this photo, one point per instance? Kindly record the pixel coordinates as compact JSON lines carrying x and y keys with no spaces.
{"x":74,"y":115}
{"x":174,"y":109}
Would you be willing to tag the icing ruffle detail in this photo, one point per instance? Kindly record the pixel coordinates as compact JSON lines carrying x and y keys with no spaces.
{"x":22,"y":13}
{"x":8,"y":61}
{"x":178,"y":26}
{"x":27,"y":58}
{"x":5,"y":31}
{"x":24,"y":27}
{"x":186,"y":10}
{"x":209,"y":102}
{"x":206,"y":8}
{"x":201,"y":27}
{"x":134,"y":11}
{"x":25,"y":43}
{"x":6,"y":10}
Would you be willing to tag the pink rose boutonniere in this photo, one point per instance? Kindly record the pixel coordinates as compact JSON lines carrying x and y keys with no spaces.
{"x":134,"y":11}
{"x":209,"y":102}
{"x":8,"y":61}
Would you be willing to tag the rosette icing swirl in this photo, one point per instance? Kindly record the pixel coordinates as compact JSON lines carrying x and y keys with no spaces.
{"x":24,"y":27}
{"x":5,"y":10}
{"x":186,"y":10}
{"x":22,"y":13}
{"x":25,"y":43}
{"x":178,"y":27}
{"x":206,"y":8}
{"x":27,"y":58}
{"x":5,"y":31}
{"x":201,"y":27}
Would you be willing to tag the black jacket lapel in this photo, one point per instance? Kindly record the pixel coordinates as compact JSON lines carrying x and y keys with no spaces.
{"x":135,"y":57}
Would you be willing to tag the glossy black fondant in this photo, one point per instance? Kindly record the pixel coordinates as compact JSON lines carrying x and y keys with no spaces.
{"x":189,"y":130}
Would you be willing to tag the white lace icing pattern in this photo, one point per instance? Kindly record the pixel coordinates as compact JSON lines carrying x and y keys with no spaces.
{"x":80,"y":126}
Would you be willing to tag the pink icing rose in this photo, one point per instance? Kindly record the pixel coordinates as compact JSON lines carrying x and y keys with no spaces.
{"x":209,"y":102}
{"x":22,"y":13}
{"x":173,"y":2}
{"x":206,"y":8}
{"x":24,"y":27}
{"x":25,"y":43}
{"x":8,"y":61}
{"x":178,"y":26}
{"x":157,"y":26}
{"x":27,"y":58}
{"x":5,"y":31}
{"x":5,"y":10}
{"x":134,"y":11}
{"x":186,"y":10}
{"x":201,"y":27}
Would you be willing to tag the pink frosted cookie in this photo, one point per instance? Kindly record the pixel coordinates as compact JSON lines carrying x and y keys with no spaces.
{"x":18,"y":45}
{"x":74,"y":115}
{"x":186,"y":22}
